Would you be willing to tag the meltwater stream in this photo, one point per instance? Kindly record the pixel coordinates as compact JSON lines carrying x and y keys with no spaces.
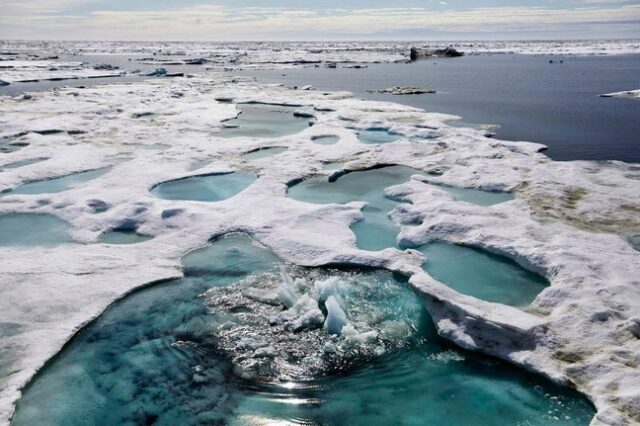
{"x":161,"y":356}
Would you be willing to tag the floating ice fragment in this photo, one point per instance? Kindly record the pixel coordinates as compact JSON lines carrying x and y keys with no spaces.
{"x":304,"y":315}
{"x":354,"y":336}
{"x":266,"y":352}
{"x":286,"y":290}
{"x":155,"y":73}
{"x":336,"y":318}
{"x":326,"y":288}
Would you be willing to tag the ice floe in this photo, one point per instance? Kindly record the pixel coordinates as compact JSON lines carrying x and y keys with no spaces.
{"x":634,"y":94}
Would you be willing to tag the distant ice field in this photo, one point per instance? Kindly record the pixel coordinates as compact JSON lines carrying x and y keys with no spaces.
{"x":525,"y":96}
{"x":546,"y":92}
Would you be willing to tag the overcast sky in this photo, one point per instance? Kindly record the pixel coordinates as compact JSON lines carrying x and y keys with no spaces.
{"x":317,"y":19}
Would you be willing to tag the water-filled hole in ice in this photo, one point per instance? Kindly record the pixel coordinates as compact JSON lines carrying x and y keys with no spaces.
{"x":481,"y":274}
{"x":12,"y":143}
{"x":376,"y":231}
{"x":264,"y":121}
{"x":32,"y":229}
{"x":55,"y":185}
{"x":264,"y":152}
{"x":377,"y":136}
{"x":325,"y":139}
{"x":214,"y":187}
{"x":22,"y":163}
{"x":159,"y":356}
{"x":123,"y":236}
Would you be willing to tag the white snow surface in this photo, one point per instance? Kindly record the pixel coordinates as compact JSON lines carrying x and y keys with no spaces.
{"x":569,"y":222}
{"x":17,"y":71}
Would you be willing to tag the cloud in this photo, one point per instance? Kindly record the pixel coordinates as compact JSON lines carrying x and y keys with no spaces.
{"x":219,"y":22}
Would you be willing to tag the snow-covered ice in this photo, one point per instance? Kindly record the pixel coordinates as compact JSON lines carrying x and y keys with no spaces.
{"x":569,"y":221}
{"x":634,"y":94}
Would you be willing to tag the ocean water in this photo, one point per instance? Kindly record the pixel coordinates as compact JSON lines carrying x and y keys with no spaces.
{"x":215,"y":187}
{"x":153,"y":358}
{"x":529,"y":98}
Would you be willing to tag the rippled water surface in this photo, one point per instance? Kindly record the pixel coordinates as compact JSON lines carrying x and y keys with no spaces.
{"x":153,"y":358}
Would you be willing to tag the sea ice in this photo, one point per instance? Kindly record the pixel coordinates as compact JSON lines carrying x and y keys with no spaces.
{"x":569,"y":221}
{"x":336,"y":317}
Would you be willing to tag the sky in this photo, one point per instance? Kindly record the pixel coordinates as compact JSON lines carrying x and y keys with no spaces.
{"x":217,"y":20}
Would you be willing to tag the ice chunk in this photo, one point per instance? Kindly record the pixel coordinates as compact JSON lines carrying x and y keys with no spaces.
{"x":336,"y":317}
{"x":265,"y":352}
{"x":158,"y":72}
{"x":287,"y":290}
{"x":304,"y":315}
{"x":326,"y":288}
{"x":354,"y":336}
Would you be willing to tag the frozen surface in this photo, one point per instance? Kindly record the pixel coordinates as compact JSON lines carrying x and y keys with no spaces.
{"x":633,"y":94}
{"x":569,"y":221}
